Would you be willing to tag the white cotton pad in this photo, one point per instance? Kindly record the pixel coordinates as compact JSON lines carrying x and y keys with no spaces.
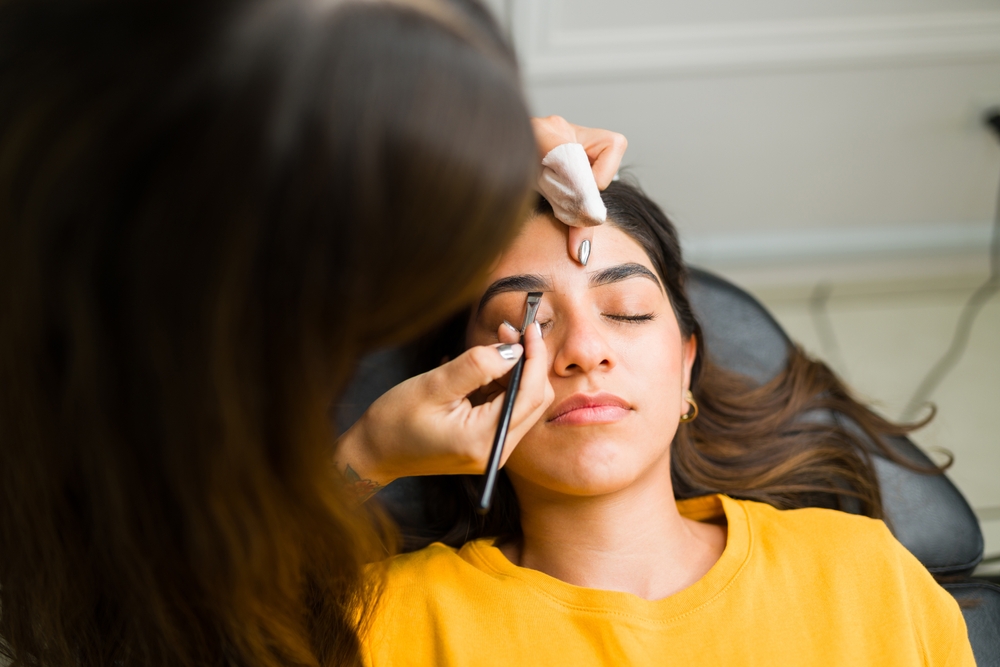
{"x":567,"y":182}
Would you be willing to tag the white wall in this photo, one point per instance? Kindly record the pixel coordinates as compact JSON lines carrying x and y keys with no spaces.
{"x":833,"y":143}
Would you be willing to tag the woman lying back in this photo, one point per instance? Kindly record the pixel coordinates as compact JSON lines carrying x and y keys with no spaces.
{"x":662,"y":510}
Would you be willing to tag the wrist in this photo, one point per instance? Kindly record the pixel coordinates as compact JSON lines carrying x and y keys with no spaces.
{"x":356,"y":462}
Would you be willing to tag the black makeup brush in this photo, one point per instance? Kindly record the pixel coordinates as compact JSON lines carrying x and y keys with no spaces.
{"x":490,"y":476}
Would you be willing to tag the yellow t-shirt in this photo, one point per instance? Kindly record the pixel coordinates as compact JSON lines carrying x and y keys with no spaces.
{"x":794,"y":587}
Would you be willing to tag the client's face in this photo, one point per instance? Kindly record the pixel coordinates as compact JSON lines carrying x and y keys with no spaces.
{"x":619,"y":364}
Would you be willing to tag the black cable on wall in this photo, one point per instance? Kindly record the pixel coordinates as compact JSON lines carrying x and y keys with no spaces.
{"x":971,"y":310}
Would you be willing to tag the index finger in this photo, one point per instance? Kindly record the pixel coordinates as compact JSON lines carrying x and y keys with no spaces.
{"x":474,"y":368}
{"x":605,"y":149}
{"x":552,"y":131}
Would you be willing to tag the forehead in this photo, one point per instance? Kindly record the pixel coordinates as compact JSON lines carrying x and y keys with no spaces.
{"x":541,"y":248}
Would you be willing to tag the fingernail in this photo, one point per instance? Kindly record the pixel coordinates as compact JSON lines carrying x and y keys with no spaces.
{"x":509,"y":352}
{"x":538,"y":328}
{"x":511,"y":326}
{"x":584,"y":252}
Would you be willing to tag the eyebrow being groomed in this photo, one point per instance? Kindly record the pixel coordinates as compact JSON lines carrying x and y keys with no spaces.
{"x":517,"y":283}
{"x":537,"y":283}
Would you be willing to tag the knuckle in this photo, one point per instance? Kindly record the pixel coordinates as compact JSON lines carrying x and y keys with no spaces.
{"x":558,"y":125}
{"x":550,"y":396}
{"x":536,"y":400}
{"x":433,"y":382}
{"x":478,"y":361}
{"x":469,"y":455}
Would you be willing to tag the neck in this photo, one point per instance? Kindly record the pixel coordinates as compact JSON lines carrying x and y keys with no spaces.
{"x":633,"y":540}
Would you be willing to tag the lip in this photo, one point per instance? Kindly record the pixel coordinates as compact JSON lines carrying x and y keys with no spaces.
{"x":582,"y":409}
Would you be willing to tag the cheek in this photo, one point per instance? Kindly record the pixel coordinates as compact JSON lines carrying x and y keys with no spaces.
{"x":658,"y":395}
{"x":655,"y":363}
{"x":655,"y":356}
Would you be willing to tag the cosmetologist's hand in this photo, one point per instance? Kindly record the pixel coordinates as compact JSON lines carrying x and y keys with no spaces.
{"x":605,"y":150}
{"x":428,"y":426}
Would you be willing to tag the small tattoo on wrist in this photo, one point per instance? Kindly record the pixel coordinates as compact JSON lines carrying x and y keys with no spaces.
{"x":360,"y":489}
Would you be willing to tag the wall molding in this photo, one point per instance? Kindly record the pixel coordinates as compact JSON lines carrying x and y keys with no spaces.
{"x":798,"y":246}
{"x":552,"y":54}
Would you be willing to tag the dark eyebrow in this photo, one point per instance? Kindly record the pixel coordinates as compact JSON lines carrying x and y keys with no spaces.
{"x":615,"y":274}
{"x":518,"y":283}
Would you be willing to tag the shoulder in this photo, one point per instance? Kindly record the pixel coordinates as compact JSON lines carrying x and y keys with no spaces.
{"x":855,"y":562}
{"x":434,"y":562}
{"x":821,"y":532}
{"x":844,"y":551}
{"x":806,"y":517}
{"x":418,"y":596}
{"x":437,"y":571}
{"x":402,"y":581}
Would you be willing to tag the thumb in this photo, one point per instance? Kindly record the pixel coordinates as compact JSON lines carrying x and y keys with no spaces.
{"x":580,"y":243}
{"x":474,"y":368}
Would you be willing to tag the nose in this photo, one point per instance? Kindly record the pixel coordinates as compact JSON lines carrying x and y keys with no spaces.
{"x":580,"y":347}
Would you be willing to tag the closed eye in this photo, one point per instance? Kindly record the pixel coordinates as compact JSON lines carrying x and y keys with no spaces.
{"x":617,"y":318}
{"x":647,"y":317}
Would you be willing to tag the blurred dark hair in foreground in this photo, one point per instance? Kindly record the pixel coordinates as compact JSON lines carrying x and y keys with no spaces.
{"x":208,"y":210}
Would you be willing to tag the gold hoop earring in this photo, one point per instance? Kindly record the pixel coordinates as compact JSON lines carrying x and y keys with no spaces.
{"x":692,"y":414}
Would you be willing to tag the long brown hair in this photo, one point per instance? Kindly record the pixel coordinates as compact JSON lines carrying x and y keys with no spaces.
{"x":208,"y":210}
{"x":771,"y":442}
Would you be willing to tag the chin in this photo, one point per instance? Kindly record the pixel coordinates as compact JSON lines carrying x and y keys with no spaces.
{"x":591,"y":468}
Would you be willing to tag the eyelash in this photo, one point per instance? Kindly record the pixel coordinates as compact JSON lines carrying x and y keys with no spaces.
{"x":632,"y":319}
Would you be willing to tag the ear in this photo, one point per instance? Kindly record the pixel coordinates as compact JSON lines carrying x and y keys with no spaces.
{"x":689,"y":352}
